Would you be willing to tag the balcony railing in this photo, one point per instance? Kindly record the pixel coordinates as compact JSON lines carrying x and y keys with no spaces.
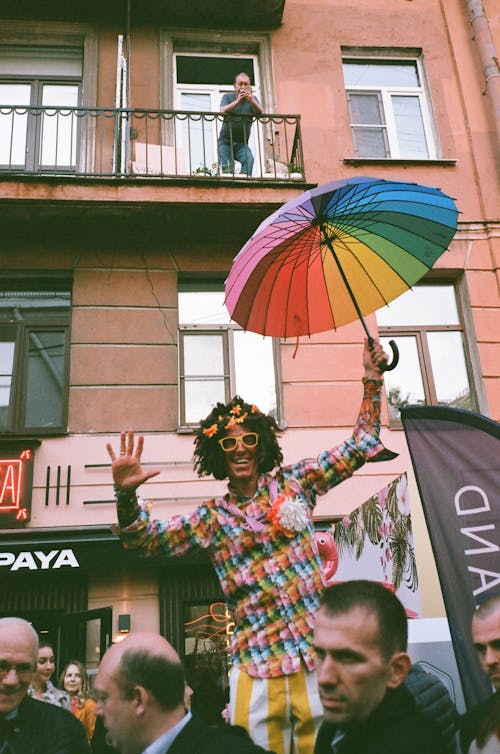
{"x":130,"y":143}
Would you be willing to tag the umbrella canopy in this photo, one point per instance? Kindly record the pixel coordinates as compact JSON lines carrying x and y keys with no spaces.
{"x":336,"y":253}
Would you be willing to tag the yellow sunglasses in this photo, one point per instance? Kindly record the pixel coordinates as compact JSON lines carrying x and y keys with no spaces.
{"x":249,"y":440}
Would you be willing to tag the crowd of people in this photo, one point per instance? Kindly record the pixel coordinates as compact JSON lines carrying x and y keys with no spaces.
{"x":315,"y":669}
{"x":140,"y":702}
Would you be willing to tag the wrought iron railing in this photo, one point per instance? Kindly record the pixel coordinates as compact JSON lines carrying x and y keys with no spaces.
{"x":121,"y":143}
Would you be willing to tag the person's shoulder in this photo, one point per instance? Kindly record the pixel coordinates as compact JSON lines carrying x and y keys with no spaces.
{"x":472,"y":719}
{"x":44,"y":723}
{"x":201,"y":738}
{"x":232,"y":739}
{"x":404,"y":724}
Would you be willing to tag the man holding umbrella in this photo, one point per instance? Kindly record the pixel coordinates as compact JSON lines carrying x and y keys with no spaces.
{"x":260,"y":538}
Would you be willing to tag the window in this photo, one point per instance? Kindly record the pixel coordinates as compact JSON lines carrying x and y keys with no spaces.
{"x":218,"y":359}
{"x":39,"y":89}
{"x":34,"y":349}
{"x":388,"y":108}
{"x":434,"y":368}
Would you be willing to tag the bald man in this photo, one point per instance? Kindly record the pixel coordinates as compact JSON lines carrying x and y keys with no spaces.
{"x":28,"y":725}
{"x":139,"y":692}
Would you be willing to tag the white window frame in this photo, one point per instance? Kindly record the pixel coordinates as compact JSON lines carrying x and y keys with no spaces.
{"x":61,"y":34}
{"x":227,"y":330}
{"x":216,"y":91}
{"x":419,"y":332}
{"x":385,"y":94}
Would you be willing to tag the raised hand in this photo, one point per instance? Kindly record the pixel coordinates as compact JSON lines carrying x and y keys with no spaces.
{"x":128,"y":473}
{"x":374,"y":358}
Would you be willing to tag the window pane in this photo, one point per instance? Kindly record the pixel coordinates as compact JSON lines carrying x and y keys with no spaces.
{"x":370,"y":142}
{"x":383,"y":73}
{"x":365,"y":109}
{"x":404,"y":385}
{"x":197,"y":134}
{"x":255,"y":370}
{"x":202,"y":308}
{"x":45,"y":379}
{"x":59,"y":127}
{"x":13,"y":125}
{"x":201,"y":397}
{"x":424,"y":305}
{"x":6,"y":369}
{"x":203,"y":355}
{"x":20,"y":305}
{"x":211,"y":69}
{"x":449,"y":369}
{"x":409,"y":127}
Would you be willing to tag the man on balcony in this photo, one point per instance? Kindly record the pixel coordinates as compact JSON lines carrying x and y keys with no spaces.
{"x":238,"y":108}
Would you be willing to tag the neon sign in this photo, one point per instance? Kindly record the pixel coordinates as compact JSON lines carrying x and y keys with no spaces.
{"x":16,"y":476}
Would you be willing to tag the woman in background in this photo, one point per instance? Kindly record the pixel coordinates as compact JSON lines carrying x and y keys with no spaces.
{"x":75,"y":681}
{"x":41,"y":685}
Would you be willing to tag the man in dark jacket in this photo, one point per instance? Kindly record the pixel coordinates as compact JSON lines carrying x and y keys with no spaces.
{"x":140,"y":696}
{"x":27,"y":725}
{"x":482,"y":722}
{"x":360,"y":638}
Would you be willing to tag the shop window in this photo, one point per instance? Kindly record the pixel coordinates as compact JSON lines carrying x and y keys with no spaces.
{"x":207,"y":630}
{"x":34,"y":356}
{"x":388,"y":108}
{"x":434,"y":366}
{"x":218,"y":359}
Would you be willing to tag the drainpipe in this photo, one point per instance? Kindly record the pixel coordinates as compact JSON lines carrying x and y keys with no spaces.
{"x":488,"y":57}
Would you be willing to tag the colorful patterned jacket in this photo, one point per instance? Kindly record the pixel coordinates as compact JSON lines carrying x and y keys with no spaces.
{"x":263,"y":548}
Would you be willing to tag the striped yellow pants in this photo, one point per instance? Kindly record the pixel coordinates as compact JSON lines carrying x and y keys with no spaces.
{"x":281,"y":714}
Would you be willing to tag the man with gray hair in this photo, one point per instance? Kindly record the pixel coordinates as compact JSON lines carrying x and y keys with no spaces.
{"x":140,"y":697}
{"x":27,"y":725}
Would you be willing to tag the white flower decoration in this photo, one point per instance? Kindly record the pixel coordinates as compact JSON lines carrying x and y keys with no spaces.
{"x":293,"y":515}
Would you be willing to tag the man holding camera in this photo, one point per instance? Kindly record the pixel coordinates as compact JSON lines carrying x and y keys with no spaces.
{"x":238,"y":108}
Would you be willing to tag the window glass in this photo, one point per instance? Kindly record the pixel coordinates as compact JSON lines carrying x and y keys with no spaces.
{"x":423,"y":305}
{"x":45,"y":376}
{"x":33,"y":324}
{"x":409,"y":127}
{"x":59,"y":126}
{"x":13,"y":124}
{"x":203,"y":308}
{"x":200,"y":397}
{"x":6,"y":369}
{"x":449,"y":368}
{"x":364,"y":73}
{"x":215,"y":366}
{"x":433,"y":368}
{"x":203,"y":355}
{"x":404,"y":385}
{"x":207,"y":69}
{"x":198,"y":137}
{"x":254,"y":356}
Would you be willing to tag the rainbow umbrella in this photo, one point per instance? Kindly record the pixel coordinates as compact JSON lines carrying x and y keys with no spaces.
{"x":336,"y":253}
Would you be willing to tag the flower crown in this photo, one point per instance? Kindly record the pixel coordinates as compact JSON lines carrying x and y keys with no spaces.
{"x":235,"y":415}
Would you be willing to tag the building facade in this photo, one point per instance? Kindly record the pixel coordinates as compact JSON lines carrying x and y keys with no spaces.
{"x":118,"y":228}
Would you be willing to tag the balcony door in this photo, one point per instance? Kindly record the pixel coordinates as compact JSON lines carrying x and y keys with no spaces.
{"x":200,"y":81}
{"x":39,"y":89}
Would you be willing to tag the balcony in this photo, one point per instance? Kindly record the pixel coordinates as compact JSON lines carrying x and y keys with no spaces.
{"x":153,"y":145}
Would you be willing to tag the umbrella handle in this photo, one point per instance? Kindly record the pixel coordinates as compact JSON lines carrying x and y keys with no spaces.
{"x":395,"y":356}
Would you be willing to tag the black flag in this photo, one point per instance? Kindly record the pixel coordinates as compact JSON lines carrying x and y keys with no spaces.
{"x":456,"y":459}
